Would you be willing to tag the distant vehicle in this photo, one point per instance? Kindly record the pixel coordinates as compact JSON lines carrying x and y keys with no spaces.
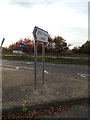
{"x":18,"y":52}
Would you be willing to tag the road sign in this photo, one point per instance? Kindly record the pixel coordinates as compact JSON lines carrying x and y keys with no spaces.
{"x":21,"y":45}
{"x":40,"y":34}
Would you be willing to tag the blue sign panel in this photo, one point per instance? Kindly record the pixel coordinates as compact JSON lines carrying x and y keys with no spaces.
{"x":21,"y":45}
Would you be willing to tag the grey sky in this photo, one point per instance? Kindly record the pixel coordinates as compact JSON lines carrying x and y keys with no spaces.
{"x":67,"y":18}
{"x":88,"y":20}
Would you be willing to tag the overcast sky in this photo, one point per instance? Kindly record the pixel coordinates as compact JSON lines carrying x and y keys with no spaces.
{"x":67,"y":18}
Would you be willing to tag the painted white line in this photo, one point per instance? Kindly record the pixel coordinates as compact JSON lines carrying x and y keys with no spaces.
{"x":53,"y":64}
{"x":17,"y":68}
{"x":28,"y":63}
{"x":45,"y":71}
{"x":83,"y":75}
{"x":9,"y":66}
{"x":86,"y":75}
{"x":27,"y":68}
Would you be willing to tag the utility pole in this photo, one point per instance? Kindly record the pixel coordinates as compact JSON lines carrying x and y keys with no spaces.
{"x":1,"y":45}
{"x":2,"y":42}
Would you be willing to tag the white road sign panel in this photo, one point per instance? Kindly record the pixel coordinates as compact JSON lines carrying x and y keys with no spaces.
{"x":40,"y":34}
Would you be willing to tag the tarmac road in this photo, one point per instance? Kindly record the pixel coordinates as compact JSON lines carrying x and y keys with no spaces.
{"x":68,"y":69}
{"x":62,"y":82}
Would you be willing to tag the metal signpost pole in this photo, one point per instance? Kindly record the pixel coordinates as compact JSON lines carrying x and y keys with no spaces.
{"x":35,"y":64}
{"x":21,"y":49}
{"x":0,"y":50}
{"x":1,"y":77}
{"x":40,"y":35}
{"x":43,"y":63}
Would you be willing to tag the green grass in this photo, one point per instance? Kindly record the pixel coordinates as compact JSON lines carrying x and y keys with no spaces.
{"x":55,"y":60}
{"x":68,"y":60}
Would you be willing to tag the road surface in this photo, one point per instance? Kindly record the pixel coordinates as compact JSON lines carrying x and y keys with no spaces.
{"x":62,"y":82}
{"x":69,"y":69}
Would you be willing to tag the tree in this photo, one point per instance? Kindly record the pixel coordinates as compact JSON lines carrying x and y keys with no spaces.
{"x":5,"y":50}
{"x":39,"y":47}
{"x":11,"y":47}
{"x":54,"y":45}
{"x":75,"y":50}
{"x":85,"y":48}
{"x":28,"y":45}
{"x":60,"y":44}
{"x":50,"y":45}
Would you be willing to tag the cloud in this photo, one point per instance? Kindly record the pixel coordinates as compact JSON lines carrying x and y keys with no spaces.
{"x":25,"y":4}
{"x":89,"y":20}
{"x":31,"y":3}
{"x":55,"y":16}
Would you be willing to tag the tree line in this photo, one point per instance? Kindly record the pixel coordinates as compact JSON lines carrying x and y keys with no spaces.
{"x":55,"y":46}
{"x":85,"y":48}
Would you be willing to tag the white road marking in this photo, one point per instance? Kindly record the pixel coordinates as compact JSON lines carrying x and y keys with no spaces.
{"x":17,"y":68}
{"x":83,"y":75}
{"x":86,"y":75}
{"x":9,"y":66}
{"x":27,"y":68}
{"x":28,"y":63}
{"x":45,"y":71}
{"x":53,"y":64}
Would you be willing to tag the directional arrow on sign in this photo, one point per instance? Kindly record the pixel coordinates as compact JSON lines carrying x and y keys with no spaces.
{"x":40,"y":35}
{"x":21,"y":45}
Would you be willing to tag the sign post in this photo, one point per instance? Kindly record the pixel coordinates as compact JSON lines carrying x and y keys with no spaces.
{"x":43,"y":60}
{"x":35,"y":64}
{"x":40,"y":35}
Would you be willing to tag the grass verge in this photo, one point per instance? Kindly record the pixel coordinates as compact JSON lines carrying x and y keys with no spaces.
{"x":55,"y":60}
